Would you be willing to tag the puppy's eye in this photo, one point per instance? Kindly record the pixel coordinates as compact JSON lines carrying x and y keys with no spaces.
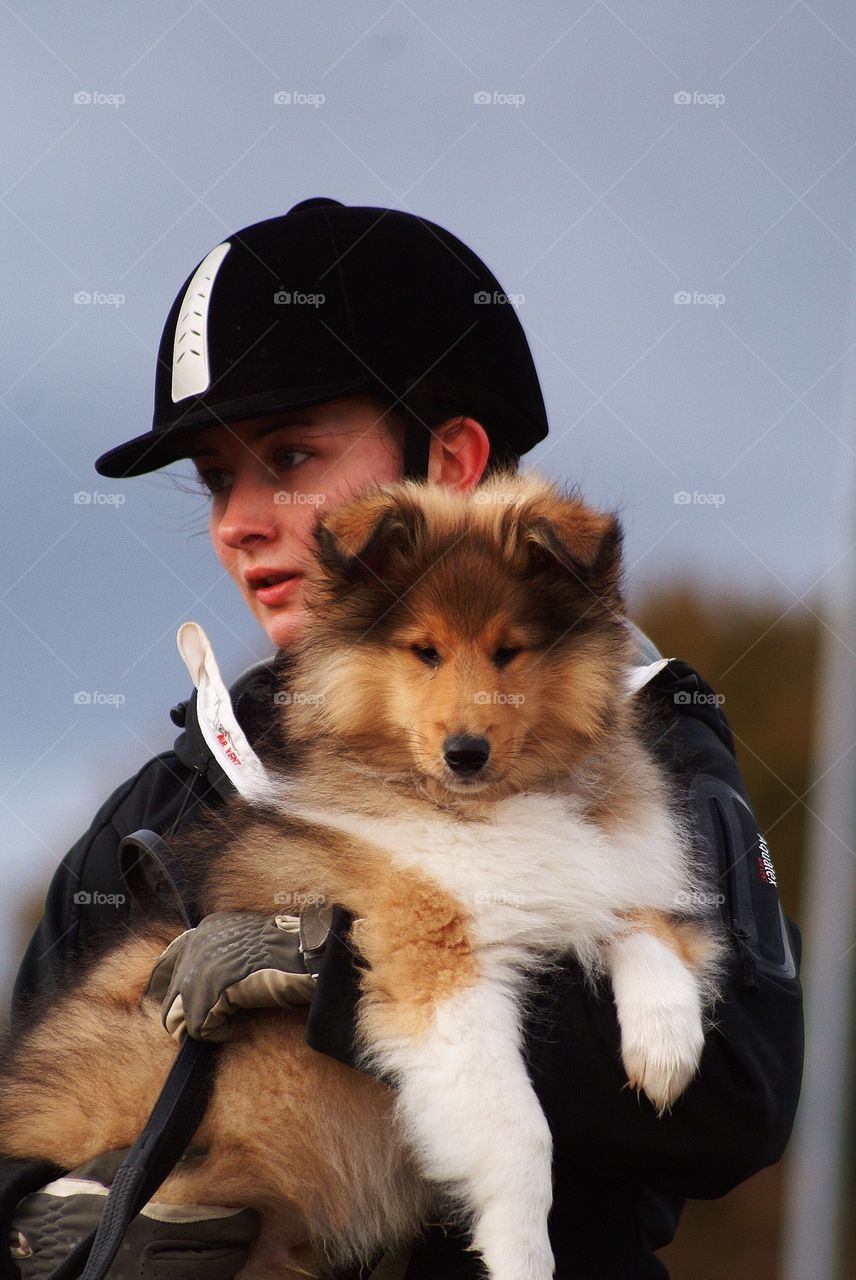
{"x":502,"y":657}
{"x":426,"y":653}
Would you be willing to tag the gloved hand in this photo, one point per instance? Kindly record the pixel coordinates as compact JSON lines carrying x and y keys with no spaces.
{"x":164,"y":1242}
{"x":237,"y":960}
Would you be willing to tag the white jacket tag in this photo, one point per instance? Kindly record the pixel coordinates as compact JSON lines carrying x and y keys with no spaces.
{"x":217,"y":719}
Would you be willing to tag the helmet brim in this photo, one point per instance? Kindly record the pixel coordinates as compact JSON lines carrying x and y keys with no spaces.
{"x":156,"y":449}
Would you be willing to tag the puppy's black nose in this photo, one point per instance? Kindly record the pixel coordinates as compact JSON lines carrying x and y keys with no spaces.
{"x":466,"y":753}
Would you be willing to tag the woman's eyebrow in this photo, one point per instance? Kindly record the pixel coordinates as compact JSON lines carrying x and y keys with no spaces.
{"x":266,"y":430}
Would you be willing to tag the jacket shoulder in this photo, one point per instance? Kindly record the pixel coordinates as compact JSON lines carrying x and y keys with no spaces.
{"x":86,"y":899}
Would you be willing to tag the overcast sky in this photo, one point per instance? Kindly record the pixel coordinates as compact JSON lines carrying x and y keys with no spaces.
{"x":627,"y":157}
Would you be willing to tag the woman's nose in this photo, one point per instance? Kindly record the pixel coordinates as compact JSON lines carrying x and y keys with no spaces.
{"x":249,"y":513}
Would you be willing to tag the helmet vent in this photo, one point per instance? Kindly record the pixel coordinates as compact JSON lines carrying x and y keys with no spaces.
{"x":191,"y":374}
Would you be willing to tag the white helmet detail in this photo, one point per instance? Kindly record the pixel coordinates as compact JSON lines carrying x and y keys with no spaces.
{"x":191,"y":374}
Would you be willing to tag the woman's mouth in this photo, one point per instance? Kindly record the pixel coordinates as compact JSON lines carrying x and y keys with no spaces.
{"x":277,"y":590}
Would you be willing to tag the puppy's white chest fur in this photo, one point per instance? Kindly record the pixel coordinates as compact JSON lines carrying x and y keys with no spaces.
{"x":537,"y":873}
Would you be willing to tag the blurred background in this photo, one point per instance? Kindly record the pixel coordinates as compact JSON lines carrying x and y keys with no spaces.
{"x":667,"y":191}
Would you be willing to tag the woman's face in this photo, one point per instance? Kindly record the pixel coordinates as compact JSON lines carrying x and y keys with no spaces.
{"x":269,"y":479}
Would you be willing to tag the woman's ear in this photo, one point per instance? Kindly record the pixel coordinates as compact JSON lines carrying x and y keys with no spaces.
{"x":458,"y":454}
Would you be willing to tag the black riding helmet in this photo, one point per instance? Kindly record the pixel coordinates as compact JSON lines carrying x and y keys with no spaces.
{"x":328,"y":301}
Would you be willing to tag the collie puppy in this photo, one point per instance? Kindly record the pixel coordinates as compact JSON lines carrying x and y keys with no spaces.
{"x":466,"y":772}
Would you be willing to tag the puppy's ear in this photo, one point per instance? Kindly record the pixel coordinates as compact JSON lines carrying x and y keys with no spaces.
{"x":571,"y":537}
{"x":360,"y":538}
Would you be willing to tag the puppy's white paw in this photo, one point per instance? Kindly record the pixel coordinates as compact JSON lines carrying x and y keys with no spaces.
{"x":661,"y":1050}
{"x":659,"y":1005}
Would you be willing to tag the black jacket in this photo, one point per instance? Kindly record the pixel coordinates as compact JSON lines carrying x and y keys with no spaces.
{"x":621,"y":1174}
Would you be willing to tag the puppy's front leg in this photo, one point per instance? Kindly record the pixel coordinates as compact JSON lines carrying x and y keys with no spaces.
{"x":466,"y":1103}
{"x":660,"y":971}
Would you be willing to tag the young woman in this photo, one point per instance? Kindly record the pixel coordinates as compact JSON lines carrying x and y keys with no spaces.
{"x":306,"y":358}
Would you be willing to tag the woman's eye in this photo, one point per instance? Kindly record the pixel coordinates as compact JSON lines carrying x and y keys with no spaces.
{"x":285,"y":457}
{"x":427,"y":653}
{"x":503,"y":656}
{"x":213,"y":480}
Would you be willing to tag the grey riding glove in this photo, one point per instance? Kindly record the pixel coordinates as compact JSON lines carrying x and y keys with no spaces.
{"x":237,"y":960}
{"x":164,"y":1242}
